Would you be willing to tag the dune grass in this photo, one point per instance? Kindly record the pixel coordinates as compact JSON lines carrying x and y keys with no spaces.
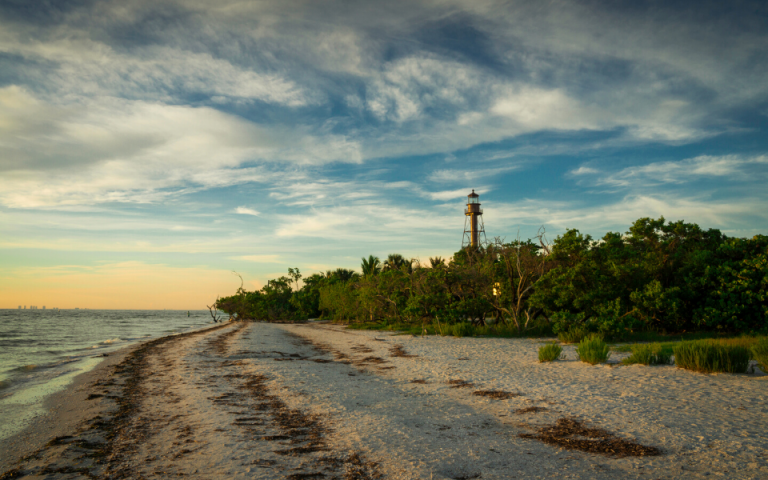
{"x":593,"y":349}
{"x":572,"y":335}
{"x":463,"y":329}
{"x":649,"y":354}
{"x":712,"y":356}
{"x":760,"y":353}
{"x":550,"y":352}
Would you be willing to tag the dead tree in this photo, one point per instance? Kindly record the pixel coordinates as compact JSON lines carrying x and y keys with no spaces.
{"x":214,"y":310}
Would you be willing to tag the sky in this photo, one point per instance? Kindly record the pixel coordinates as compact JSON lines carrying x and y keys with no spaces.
{"x":148,"y":149}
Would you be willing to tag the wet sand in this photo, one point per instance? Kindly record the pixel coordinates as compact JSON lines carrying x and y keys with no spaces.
{"x":265,"y":401}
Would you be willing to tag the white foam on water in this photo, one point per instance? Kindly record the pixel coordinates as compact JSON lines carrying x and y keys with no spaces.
{"x":48,"y":349}
{"x":24,"y":405}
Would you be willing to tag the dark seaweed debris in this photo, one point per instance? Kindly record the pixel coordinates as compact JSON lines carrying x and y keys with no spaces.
{"x":495,"y":394}
{"x":571,"y":434}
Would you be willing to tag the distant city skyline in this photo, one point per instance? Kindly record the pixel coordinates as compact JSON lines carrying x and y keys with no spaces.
{"x":150,"y":149}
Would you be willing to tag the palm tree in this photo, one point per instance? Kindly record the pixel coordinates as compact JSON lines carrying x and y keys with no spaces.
{"x":371,"y":265}
{"x":436,"y":262}
{"x":345,"y":274}
{"x":395,"y":261}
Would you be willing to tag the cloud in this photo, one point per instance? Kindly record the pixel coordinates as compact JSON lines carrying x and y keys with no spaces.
{"x":247,"y":211}
{"x":85,"y":67}
{"x":727,"y":167}
{"x":701,"y":209}
{"x":382,"y":222}
{"x":115,"y":150}
{"x":408,"y":87}
{"x":453,"y":194}
{"x":469,"y":174}
{"x":533,"y":108}
{"x":328,"y":223}
{"x":340,"y":89}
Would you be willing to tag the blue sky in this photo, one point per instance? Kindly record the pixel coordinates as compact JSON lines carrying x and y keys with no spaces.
{"x":154,"y":147}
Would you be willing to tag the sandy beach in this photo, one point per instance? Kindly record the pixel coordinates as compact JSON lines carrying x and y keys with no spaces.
{"x":258,"y":400}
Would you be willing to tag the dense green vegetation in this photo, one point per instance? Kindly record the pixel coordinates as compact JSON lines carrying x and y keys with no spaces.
{"x":663,"y":277}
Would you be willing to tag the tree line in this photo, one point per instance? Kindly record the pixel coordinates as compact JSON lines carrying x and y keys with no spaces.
{"x":658,"y":276}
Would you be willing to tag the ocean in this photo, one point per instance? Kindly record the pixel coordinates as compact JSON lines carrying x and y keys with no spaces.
{"x":41,"y":351}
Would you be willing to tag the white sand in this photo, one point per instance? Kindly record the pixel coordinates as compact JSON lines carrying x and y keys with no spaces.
{"x":231,"y":405}
{"x":707,"y":425}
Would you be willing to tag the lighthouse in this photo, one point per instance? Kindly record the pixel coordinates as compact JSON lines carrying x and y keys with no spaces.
{"x":473,"y":222}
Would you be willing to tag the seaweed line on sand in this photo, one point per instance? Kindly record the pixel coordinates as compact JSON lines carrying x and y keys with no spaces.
{"x":104,"y":441}
{"x":571,"y":434}
{"x":496,"y":394}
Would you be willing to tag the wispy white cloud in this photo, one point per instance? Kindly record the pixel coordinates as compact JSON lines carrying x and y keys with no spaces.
{"x":469,"y":174}
{"x":454,"y":194}
{"x":701,"y":209}
{"x":156,"y":72}
{"x":247,"y":211}
{"x":408,"y":86}
{"x":129,"y":151}
{"x":728,"y":167}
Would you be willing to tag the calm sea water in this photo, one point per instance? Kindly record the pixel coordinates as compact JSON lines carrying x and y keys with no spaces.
{"x":41,"y":351}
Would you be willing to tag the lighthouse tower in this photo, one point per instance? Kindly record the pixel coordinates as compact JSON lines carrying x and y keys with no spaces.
{"x":473,"y":222}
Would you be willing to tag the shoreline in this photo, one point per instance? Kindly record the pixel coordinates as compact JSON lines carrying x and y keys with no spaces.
{"x":64,"y":410}
{"x":44,"y":351}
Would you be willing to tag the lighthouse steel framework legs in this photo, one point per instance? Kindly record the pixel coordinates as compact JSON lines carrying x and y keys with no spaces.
{"x":474,"y":230}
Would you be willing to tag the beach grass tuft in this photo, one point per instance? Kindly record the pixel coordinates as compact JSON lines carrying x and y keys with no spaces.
{"x":462,"y":329}
{"x":712,"y":356}
{"x":649,"y":354}
{"x":593,"y":349}
{"x":760,"y":353}
{"x":550,"y":352}
{"x":573,"y":335}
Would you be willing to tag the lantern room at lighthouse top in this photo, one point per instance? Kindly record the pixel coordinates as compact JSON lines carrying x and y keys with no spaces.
{"x":473,"y":204}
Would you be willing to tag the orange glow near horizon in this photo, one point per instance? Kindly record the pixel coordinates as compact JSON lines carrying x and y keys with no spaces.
{"x":125,"y":285}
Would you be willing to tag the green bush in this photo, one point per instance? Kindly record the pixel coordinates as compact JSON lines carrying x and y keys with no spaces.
{"x":593,"y":349}
{"x":462,"y":329}
{"x":572,"y":335}
{"x":760,"y":353}
{"x":550,"y":352}
{"x":649,"y":354}
{"x":711,"y":356}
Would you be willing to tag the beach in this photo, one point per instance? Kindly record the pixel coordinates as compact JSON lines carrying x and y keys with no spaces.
{"x":316,"y":400}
